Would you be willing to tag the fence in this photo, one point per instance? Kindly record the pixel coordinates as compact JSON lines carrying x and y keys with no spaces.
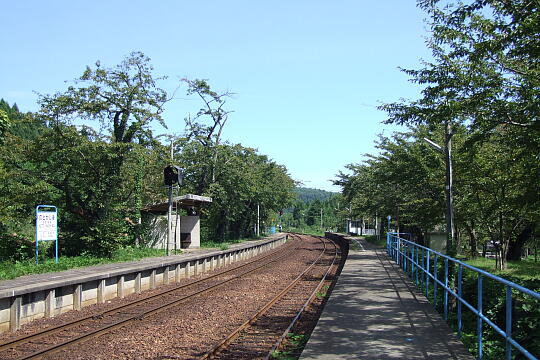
{"x":429,"y":268}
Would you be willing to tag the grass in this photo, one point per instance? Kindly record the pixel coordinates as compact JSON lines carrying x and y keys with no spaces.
{"x":524,"y":269}
{"x":11,"y":270}
{"x":321,"y":294}
{"x":307,"y":230}
{"x":225,"y":245}
{"x":353,"y":245}
{"x":372,"y":239}
{"x":295,"y":342}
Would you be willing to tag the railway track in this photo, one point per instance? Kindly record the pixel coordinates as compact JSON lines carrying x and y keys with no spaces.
{"x":55,"y":339}
{"x":261,"y":335}
{"x":266,"y":330}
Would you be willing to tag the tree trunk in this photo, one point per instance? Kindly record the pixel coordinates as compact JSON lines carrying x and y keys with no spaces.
{"x":473,"y":240}
{"x":515,"y":247}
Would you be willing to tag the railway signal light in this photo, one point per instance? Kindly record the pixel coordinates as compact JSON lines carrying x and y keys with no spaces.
{"x":172,"y":175}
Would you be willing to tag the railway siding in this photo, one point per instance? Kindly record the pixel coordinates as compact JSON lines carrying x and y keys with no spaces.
{"x":32,"y":297}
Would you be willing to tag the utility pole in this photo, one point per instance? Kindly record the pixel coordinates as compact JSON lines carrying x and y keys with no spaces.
{"x":169,"y":212}
{"x":451,"y":235}
{"x":350,"y":219}
{"x":258,"y":217}
{"x":321,"y":218}
{"x":451,"y":240}
{"x":377,"y":226}
{"x":397,"y":218}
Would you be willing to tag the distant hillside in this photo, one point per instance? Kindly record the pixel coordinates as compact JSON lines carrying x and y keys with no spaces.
{"x":309,"y":195}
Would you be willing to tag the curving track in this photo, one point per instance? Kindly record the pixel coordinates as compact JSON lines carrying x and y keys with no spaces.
{"x":264,"y":332}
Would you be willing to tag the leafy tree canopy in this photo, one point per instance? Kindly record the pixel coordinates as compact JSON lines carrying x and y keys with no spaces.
{"x":125,"y":99}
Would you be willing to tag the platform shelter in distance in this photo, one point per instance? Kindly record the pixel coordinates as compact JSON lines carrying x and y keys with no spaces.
{"x":185,"y":236}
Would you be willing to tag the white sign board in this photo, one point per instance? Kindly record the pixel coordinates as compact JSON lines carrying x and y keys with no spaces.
{"x":47,"y":227}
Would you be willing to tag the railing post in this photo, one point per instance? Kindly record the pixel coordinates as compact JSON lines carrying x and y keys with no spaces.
{"x":409,"y":259}
{"x":412,"y":261}
{"x":417,"y":265}
{"x":427,"y":275}
{"x":405,"y":260}
{"x":445,"y":289}
{"x":398,"y":250}
{"x":410,"y":248}
{"x":508,"y":322}
{"x":479,"y":318}
{"x":460,"y":296}
{"x":422,"y":276}
{"x":405,"y":250}
{"x":388,"y":245}
{"x":435,"y":282}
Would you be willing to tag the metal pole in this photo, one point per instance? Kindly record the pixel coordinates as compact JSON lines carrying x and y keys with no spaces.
{"x":451,"y":241}
{"x":169,"y":221}
{"x":377,"y":227}
{"x":37,"y":241}
{"x":397,"y":218}
{"x":451,"y":236}
{"x":258,"y":217}
{"x":169,"y":212}
{"x":179,"y":226}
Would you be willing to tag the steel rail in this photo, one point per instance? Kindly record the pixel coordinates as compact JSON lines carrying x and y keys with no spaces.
{"x":232,"y":336}
{"x":117,"y":309}
{"x":279,"y":342}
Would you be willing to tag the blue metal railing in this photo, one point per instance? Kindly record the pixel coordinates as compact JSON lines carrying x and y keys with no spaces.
{"x":415,"y":260}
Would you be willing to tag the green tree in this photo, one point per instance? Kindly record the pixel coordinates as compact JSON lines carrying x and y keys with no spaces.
{"x":207,"y":125}
{"x":125,"y":100}
{"x":4,"y":124}
{"x":243,"y":180}
{"x":485,"y":78}
{"x":21,"y":188}
{"x":23,"y":125}
{"x":405,"y":181}
{"x":91,"y":169}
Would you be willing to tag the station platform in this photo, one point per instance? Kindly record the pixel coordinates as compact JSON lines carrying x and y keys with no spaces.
{"x":28,"y":298}
{"x":375,"y":312}
{"x":35,"y":282}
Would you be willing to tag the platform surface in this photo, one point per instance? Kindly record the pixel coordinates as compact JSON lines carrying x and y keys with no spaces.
{"x":374,"y":312}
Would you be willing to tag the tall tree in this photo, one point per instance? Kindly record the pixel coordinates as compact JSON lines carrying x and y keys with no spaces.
{"x":207,"y":125}
{"x":484,"y":76}
{"x":125,"y":99}
{"x":243,"y":180}
{"x":4,"y":124}
{"x":91,"y":168}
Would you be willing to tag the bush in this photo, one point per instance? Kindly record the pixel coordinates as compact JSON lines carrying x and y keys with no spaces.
{"x":15,"y":247}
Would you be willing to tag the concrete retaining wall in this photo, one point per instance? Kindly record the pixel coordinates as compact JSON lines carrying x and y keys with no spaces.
{"x":340,"y":239}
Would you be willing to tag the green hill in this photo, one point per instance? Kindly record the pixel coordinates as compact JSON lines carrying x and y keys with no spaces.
{"x":309,"y":195}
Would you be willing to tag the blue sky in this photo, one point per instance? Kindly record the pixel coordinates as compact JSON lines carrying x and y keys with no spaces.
{"x":308,"y":75}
